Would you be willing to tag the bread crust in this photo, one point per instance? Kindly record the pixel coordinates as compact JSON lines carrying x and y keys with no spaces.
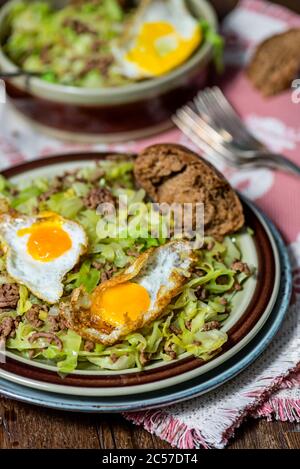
{"x":172,"y":173}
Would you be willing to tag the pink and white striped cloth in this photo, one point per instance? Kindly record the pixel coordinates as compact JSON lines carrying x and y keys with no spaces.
{"x":271,"y":386}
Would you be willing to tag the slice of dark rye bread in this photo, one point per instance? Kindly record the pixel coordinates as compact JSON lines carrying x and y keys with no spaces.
{"x":276,"y":62}
{"x":173,"y":174}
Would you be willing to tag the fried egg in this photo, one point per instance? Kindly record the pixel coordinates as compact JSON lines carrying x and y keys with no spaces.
{"x":133,"y":298}
{"x":162,"y":36}
{"x":41,"y":250}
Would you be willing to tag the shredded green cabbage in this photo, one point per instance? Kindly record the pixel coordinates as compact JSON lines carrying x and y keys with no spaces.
{"x":65,"y":203}
{"x":192,"y":322}
{"x":71,"y":343}
{"x":24,"y":303}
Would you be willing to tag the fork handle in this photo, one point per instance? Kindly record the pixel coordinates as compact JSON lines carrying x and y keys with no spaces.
{"x":277,"y":161}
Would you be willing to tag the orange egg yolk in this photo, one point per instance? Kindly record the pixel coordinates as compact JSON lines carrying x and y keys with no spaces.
{"x":47,"y":240}
{"x":116,"y":304}
{"x":159,"y":47}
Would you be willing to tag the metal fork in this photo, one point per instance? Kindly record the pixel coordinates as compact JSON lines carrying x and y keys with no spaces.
{"x":216,"y":110}
{"x":214,"y":126}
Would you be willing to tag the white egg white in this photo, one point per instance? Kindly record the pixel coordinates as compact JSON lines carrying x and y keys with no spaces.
{"x":43,"y":279}
{"x":157,"y":275}
{"x":174,"y":12}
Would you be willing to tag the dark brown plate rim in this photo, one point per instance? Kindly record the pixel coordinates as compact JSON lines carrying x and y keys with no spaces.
{"x":252,"y":314}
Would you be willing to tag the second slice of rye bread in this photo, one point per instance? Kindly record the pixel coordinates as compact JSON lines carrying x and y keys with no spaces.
{"x":276,"y":62}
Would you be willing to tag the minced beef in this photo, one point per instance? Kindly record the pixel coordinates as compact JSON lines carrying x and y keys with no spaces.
{"x":6,"y":327}
{"x":89,"y":346}
{"x":32,"y":315}
{"x":98,"y":196}
{"x":57,"y":323}
{"x":239,"y":266}
{"x":209,"y":326}
{"x":9,"y":296}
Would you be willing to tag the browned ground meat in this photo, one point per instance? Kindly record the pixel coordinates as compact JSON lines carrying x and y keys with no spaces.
{"x":145,"y":358}
{"x":173,"y":174}
{"x":210,"y":245}
{"x":54,"y":323}
{"x":57,"y":323}
{"x":100,"y":63}
{"x":89,"y":346}
{"x":46,"y":195}
{"x":15,"y":326}
{"x":176,"y":330}
{"x":211,"y":325}
{"x":223,"y":301}
{"x":97,"y":196}
{"x":57,"y":185}
{"x":6,"y":327}
{"x":133,"y":252}
{"x":32,"y":315}
{"x":49,"y":336}
{"x":108,"y":273}
{"x":169,"y":350}
{"x":201,"y":293}
{"x":104,"y":277}
{"x":114,"y":357}
{"x":9,"y":296}
{"x":63,"y":182}
{"x":237,"y":286}
{"x":239,"y":266}
{"x":78,"y":26}
{"x":97,"y":265}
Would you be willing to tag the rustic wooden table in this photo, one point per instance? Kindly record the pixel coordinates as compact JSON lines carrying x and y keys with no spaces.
{"x":24,"y":426}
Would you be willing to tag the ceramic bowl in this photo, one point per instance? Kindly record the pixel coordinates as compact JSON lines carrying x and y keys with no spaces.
{"x":108,"y":114}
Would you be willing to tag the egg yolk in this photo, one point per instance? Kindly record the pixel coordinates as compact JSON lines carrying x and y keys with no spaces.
{"x":47,"y":240}
{"x":116,"y":304}
{"x":159,"y":48}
